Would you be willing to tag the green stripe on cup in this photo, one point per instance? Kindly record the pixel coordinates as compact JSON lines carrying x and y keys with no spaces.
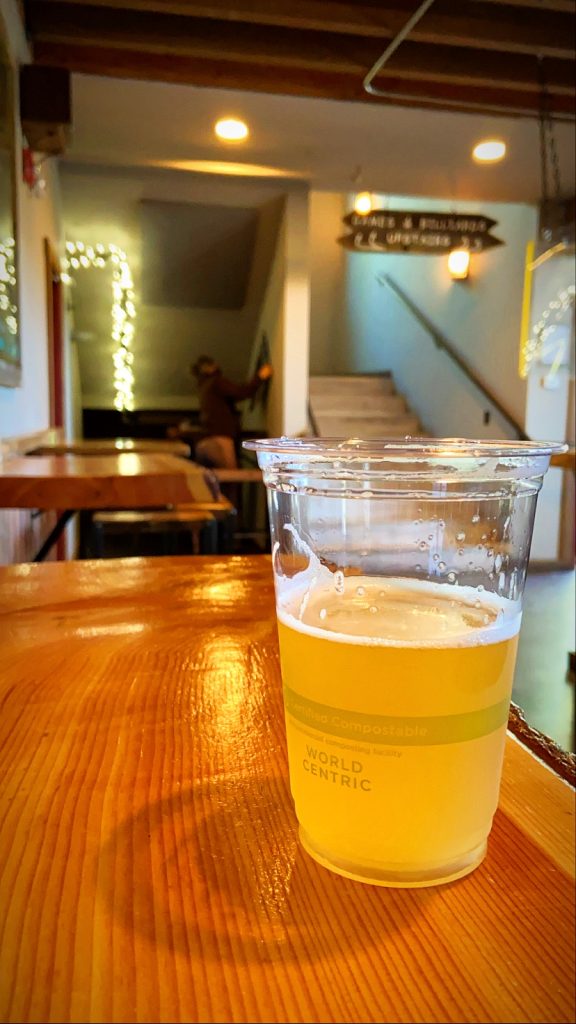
{"x":393,"y":730}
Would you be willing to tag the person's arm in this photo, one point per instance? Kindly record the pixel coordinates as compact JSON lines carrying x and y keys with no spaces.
{"x":239,"y":391}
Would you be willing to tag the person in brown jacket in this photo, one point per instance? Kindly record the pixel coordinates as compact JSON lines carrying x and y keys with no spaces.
{"x":219,"y":417}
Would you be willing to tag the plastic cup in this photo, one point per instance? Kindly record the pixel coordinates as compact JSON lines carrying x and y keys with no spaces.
{"x":399,"y":568}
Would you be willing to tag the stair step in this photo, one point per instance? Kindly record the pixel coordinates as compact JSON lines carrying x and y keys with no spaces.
{"x":367,"y":426}
{"x":358,"y":405}
{"x":337,"y":386}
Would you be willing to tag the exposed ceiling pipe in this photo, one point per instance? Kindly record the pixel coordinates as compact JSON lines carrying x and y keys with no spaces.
{"x":423,"y":101}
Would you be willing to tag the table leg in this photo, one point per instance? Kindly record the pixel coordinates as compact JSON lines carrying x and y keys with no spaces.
{"x":52,"y":537}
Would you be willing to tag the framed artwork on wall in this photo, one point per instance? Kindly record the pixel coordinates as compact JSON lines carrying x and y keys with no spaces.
{"x":10,"y":355}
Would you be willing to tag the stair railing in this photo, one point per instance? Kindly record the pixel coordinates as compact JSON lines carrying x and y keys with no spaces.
{"x":444,"y":345}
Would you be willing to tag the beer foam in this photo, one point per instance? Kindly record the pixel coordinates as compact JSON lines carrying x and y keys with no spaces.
{"x":398,"y":612}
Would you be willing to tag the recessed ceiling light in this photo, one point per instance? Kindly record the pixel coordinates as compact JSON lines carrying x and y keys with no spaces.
{"x":489,"y":151}
{"x":231,"y":129}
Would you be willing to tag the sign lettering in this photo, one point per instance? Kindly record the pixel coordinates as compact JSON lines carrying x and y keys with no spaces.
{"x":410,"y":231}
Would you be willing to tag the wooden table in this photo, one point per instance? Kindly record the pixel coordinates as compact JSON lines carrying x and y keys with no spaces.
{"x":239,"y":476}
{"x":114,"y":446}
{"x":128,"y":480}
{"x":149,"y":863}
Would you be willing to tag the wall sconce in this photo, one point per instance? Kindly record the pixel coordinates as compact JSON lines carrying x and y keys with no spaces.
{"x":459,"y":264}
{"x":363,"y":203}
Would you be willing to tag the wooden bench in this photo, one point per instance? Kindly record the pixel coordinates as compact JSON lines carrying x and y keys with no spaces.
{"x":168,"y":524}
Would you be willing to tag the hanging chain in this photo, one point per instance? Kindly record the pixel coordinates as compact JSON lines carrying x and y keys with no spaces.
{"x":548,"y":153}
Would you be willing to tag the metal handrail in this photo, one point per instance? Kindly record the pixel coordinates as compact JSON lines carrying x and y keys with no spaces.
{"x":442,"y":343}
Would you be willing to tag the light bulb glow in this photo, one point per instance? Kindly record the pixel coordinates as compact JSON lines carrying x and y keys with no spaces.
{"x":123,"y":310}
{"x":489,"y":151}
{"x":459,"y":264}
{"x":231,"y":129}
{"x":363,"y":203}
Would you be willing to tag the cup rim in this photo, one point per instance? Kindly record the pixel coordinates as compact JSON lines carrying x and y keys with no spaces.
{"x":382,"y":448}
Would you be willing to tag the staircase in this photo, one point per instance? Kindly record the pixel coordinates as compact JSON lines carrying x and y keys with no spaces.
{"x":360,"y":405}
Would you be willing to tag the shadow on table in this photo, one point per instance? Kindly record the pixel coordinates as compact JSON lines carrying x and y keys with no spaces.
{"x":217,"y":871}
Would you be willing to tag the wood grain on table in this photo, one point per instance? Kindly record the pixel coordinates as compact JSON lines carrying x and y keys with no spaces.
{"x":114,"y":446}
{"x":149,"y":863}
{"x":127,"y":480}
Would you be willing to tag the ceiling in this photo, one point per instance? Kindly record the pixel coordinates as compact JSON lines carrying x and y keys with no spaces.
{"x":332,"y":146}
{"x":478,"y":55}
{"x":152,"y":76}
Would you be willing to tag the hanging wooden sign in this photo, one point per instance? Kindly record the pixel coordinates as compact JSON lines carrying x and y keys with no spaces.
{"x":416,"y":232}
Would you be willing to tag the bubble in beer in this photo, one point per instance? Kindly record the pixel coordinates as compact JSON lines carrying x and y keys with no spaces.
{"x":480,"y":547}
{"x":441,"y":524}
{"x":451,"y":577}
{"x":417,"y":567}
{"x":475,"y":518}
{"x":339,"y":581}
{"x":430,"y":536}
{"x":422,"y":545}
{"x":435,"y":558}
{"x":373,"y":609}
{"x":360,"y":591}
{"x":461,"y":535}
{"x":322,"y":613}
{"x":460,"y":551}
{"x":479,"y":588}
{"x":498,"y":562}
{"x":484,"y":536}
{"x":442,"y":566}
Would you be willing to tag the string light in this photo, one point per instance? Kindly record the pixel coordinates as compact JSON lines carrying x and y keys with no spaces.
{"x":123,"y":310}
{"x":7,"y":295}
{"x":552,"y":315}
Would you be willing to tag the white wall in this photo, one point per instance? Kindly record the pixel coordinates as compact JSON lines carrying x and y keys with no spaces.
{"x":285,"y":320}
{"x":25,"y":409}
{"x":480,"y":317}
{"x":547,"y":400}
{"x":271,"y":324}
{"x":358,"y":325}
{"x":102,"y":205}
{"x":296,"y":316}
{"x":327,"y":265}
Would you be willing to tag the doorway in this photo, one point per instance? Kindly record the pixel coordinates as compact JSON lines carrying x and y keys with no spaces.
{"x":54,"y":326}
{"x":55,"y":339}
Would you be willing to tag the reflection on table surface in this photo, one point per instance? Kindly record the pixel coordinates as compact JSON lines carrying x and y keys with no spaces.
{"x":112,"y":445}
{"x":149,"y":863}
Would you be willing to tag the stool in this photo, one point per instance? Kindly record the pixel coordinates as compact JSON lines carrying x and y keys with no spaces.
{"x":168,"y":525}
{"x":226,"y":517}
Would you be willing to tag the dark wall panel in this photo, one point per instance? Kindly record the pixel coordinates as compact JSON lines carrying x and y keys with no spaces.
{"x":194,"y":255}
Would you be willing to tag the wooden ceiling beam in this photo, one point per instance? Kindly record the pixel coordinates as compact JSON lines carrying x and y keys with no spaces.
{"x":290,"y":49}
{"x":229,"y":74}
{"x":479,"y":25}
{"x":543,"y":5}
